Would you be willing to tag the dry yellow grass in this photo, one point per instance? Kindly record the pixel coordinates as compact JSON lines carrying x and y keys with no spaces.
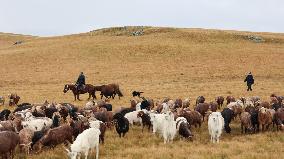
{"x":165,"y":62}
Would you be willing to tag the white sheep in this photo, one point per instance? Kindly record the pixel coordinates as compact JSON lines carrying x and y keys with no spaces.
{"x":166,"y":108}
{"x":215,"y":126}
{"x":133,"y":118}
{"x":88,"y":139}
{"x":37,"y":124}
{"x":165,"y":125}
{"x":95,"y":124}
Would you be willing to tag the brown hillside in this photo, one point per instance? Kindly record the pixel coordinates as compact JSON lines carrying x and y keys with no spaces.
{"x":163,"y":62}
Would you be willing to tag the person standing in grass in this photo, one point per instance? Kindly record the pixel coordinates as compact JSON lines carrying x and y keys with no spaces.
{"x":250,"y":81}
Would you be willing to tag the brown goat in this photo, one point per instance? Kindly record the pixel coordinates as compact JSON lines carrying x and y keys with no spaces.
{"x":265,"y":105}
{"x":264,"y":118}
{"x":202,"y":108}
{"x":178,"y":103}
{"x":55,"y":136}
{"x":26,"y":136}
{"x":246,"y":122}
{"x":279,"y":118}
{"x":13,"y":99}
{"x":8,"y":142}
{"x":213,"y":106}
{"x":220,"y":101}
{"x":192,"y":117}
{"x":146,"y":120}
{"x":103,"y":130}
{"x":230,"y":99}
{"x":133,"y":103}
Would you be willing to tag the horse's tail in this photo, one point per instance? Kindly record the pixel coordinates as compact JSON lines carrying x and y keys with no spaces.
{"x":117,"y":90}
{"x":119,"y":93}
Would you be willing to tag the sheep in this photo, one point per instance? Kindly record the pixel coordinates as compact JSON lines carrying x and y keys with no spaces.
{"x":85,"y":141}
{"x":220,"y":101}
{"x":37,"y":124}
{"x":227,"y":115}
{"x":55,"y":136}
{"x":138,"y":106}
{"x":186,"y":103}
{"x":78,"y":127}
{"x":165,"y":125}
{"x":192,"y":117}
{"x":279,"y":118}
{"x":171,"y":104}
{"x":215,"y":126}
{"x":169,"y":127}
{"x":183,"y":128}
{"x":26,"y":136}
{"x":178,"y":103}
{"x":99,"y":125}
{"x":200,"y":99}
{"x":4,"y":114}
{"x":133,"y":118}
{"x":146,"y":119}
{"x":121,"y":124}
{"x":230,"y":99}
{"x":202,"y":108}
{"x":246,"y":122}
{"x":90,"y":104}
{"x":165,"y":107}
{"x":8,"y":142}
{"x":133,"y":103}
{"x":237,"y":107}
{"x":264,"y":118}
{"x":213,"y":106}
{"x":11,"y":125}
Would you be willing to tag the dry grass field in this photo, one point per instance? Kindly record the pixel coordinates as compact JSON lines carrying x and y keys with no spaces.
{"x":164,"y":62}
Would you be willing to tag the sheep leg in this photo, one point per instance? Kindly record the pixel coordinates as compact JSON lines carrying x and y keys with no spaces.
{"x":97,"y":151}
{"x":242,"y":127}
{"x":86,"y":154}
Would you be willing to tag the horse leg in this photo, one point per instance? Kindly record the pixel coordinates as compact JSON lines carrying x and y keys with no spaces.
{"x":78,"y":97}
{"x":89,"y":96}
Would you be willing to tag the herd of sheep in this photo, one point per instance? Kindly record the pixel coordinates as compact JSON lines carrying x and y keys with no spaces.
{"x":33,"y":126}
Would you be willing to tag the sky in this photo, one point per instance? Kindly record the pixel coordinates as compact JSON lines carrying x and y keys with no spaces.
{"x":62,"y":17}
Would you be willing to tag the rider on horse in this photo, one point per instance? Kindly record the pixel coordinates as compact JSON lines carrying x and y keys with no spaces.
{"x":81,"y":82}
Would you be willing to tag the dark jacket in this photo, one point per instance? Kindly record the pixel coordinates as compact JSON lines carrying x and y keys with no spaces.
{"x":249,"y":79}
{"x":81,"y":80}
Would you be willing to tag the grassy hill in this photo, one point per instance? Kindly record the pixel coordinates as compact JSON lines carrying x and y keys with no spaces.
{"x":163,"y":62}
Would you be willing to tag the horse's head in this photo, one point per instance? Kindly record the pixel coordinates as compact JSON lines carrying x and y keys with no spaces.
{"x":66,"y":88}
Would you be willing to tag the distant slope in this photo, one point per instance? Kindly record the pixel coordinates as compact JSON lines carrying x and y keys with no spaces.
{"x":212,"y":62}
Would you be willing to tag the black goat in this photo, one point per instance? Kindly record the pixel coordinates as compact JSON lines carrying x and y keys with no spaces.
{"x":121,"y":124}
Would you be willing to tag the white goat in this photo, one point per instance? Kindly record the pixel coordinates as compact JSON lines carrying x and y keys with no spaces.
{"x":215,"y":126}
{"x":165,"y":125}
{"x":132,"y":117}
{"x":88,"y":139}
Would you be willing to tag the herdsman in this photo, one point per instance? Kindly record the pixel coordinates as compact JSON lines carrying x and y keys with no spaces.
{"x":250,"y":81}
{"x":81,"y":82}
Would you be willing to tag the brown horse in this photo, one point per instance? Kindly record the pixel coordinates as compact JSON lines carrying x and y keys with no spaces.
{"x":88,"y":89}
{"x":109,"y":90}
